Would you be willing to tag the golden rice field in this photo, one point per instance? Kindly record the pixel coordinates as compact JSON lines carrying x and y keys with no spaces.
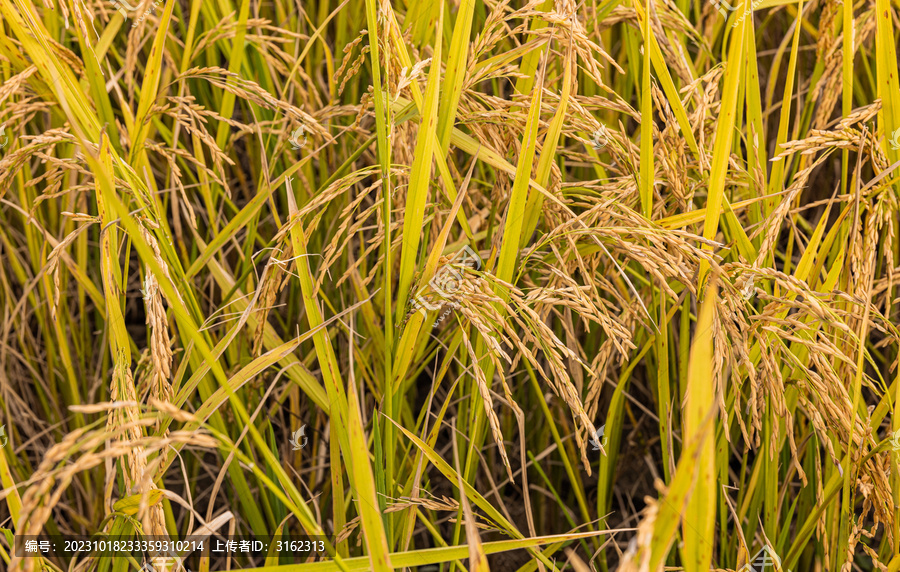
{"x":450,"y":285}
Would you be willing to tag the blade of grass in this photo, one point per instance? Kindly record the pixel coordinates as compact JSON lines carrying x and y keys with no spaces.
{"x":419,"y":181}
{"x":699,"y":415}
{"x":363,"y":481}
{"x":722,"y":147}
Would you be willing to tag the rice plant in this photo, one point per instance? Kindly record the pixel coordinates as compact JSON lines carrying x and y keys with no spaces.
{"x":435,"y":286}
